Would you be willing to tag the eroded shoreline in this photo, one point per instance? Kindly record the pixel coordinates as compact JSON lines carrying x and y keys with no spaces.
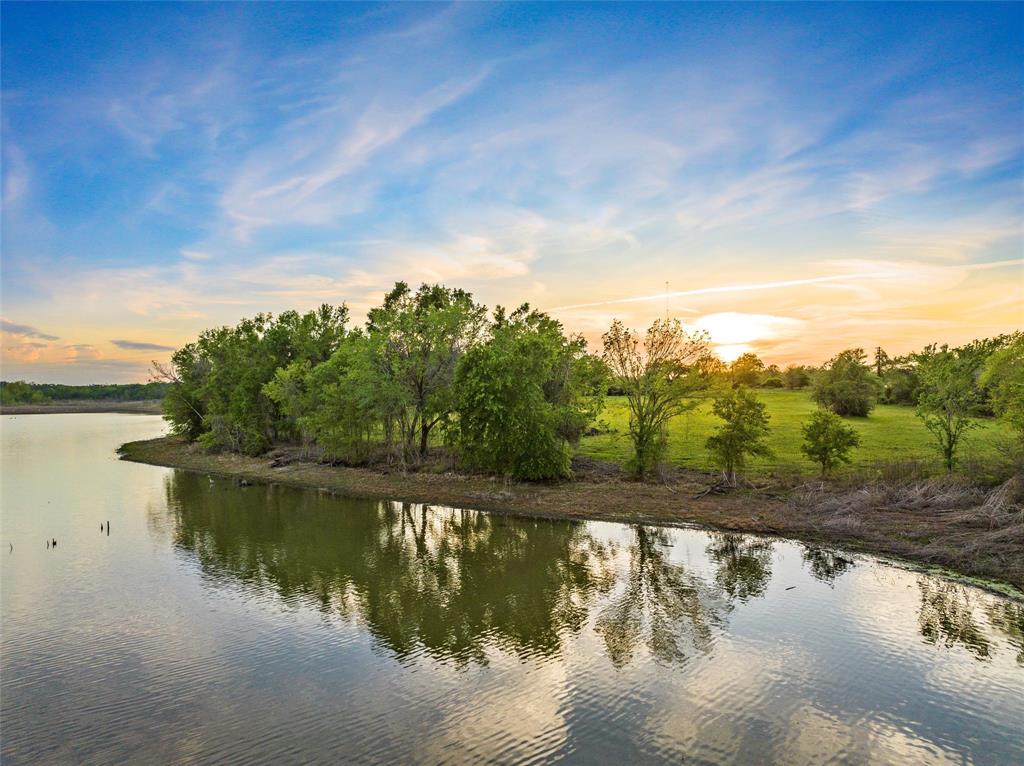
{"x":980,"y":547}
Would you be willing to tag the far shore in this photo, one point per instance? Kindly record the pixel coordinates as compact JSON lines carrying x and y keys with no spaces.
{"x":965,"y":531}
{"x":148,"y":407}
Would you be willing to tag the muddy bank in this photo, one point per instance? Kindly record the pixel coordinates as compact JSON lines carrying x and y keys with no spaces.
{"x":148,"y":407}
{"x":937,"y":523}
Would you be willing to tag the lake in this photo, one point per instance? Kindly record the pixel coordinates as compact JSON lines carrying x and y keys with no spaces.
{"x":216,"y":623}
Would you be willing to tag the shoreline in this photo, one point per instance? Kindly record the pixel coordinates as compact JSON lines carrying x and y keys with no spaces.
{"x":934,"y":539}
{"x":146,"y":407}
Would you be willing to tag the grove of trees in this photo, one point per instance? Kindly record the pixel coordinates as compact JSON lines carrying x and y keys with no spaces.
{"x":433,"y":376}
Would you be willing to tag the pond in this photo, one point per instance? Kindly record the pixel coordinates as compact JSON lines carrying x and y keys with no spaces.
{"x":216,"y":623}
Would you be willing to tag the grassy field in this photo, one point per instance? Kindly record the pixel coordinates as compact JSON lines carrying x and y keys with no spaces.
{"x":890,"y":434}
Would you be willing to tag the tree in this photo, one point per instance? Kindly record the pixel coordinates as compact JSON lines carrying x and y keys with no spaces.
{"x":947,"y":397}
{"x":796,"y":376}
{"x":900,"y":384}
{"x":1003,"y":379}
{"x":746,"y":370}
{"x":217,"y":396}
{"x":416,"y":340}
{"x":743,"y":433}
{"x":828,"y":440}
{"x":845,"y":385}
{"x":659,"y":380}
{"x":882,"y":361}
{"x":525,"y":396}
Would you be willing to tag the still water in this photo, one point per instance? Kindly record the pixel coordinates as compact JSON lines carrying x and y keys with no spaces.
{"x":216,"y":623}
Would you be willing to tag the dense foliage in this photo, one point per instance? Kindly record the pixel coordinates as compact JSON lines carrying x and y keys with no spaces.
{"x":526,"y":395}
{"x":513,"y":394}
{"x":1003,"y":378}
{"x":746,"y":370}
{"x":20,"y":392}
{"x":218,"y":395}
{"x":846,"y":384}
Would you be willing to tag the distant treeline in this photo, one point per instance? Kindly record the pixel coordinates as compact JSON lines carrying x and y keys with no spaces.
{"x":20,"y":392}
{"x":512,"y":392}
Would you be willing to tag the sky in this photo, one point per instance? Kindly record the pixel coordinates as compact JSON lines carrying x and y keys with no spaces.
{"x":793,"y":179}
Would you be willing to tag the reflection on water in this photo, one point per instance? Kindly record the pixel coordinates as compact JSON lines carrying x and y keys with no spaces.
{"x":445,"y":580}
{"x":389,"y":632}
{"x":826,"y":565}
{"x":661,"y":606}
{"x":744,"y":564}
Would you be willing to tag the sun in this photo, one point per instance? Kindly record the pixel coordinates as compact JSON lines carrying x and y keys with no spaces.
{"x":733,"y":333}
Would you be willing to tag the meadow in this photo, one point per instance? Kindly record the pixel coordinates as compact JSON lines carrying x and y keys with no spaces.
{"x":891,"y":436}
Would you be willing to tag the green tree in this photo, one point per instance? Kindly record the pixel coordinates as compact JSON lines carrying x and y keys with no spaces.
{"x":1003,"y":379}
{"x":217,"y":382}
{"x":746,"y":370}
{"x":525,"y":395}
{"x":339,"y":406}
{"x":947,"y":397}
{"x":743,"y":433}
{"x":796,"y":376}
{"x":659,"y":379}
{"x":828,"y":440}
{"x":845,"y":385}
{"x":416,"y":340}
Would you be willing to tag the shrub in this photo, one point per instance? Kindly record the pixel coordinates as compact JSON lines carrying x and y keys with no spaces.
{"x":846,"y":384}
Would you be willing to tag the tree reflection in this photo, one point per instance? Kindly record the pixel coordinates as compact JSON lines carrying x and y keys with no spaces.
{"x":744,"y":563}
{"x":445,"y":581}
{"x":826,"y":565}
{"x":662,"y":606}
{"x":947,"y":617}
{"x":1008,"y":618}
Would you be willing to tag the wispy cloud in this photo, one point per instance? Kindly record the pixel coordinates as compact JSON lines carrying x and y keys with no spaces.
{"x":135,"y":345}
{"x":25,"y":330}
{"x":889,"y":273}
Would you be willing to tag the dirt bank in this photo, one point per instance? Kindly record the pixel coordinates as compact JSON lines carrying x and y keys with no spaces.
{"x":937,"y":523}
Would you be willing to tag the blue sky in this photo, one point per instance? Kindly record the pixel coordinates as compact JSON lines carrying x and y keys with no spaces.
{"x":803,"y":177}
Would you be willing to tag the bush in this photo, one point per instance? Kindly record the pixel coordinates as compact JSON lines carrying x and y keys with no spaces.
{"x":828,"y":440}
{"x":846,"y":384}
{"x":772,"y":383}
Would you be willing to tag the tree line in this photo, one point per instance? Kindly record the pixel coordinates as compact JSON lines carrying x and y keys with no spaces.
{"x":512,"y":392}
{"x":20,"y":392}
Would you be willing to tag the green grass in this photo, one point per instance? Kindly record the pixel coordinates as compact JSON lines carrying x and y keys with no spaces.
{"x":890,"y":434}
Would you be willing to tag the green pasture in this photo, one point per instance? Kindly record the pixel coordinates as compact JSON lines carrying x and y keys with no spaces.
{"x":890,"y":434}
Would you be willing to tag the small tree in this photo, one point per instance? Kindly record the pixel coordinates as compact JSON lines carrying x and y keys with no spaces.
{"x":659,"y":380}
{"x":846,"y":385}
{"x":828,"y":440}
{"x":947,"y":397}
{"x":743,"y":432}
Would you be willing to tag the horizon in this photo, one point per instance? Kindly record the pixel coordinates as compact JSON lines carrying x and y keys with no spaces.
{"x":795,"y":180}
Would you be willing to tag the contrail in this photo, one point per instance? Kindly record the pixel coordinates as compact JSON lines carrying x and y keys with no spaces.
{"x":786,"y":283}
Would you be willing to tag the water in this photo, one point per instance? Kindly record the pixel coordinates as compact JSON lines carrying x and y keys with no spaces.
{"x":217,"y":624}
